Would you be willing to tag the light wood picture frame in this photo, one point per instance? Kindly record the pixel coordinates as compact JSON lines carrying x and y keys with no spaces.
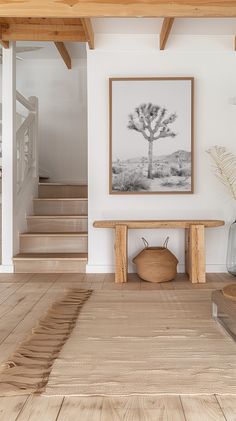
{"x":151,"y":124}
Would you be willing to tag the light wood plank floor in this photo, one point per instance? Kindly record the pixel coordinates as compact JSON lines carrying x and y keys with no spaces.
{"x":23,"y":299}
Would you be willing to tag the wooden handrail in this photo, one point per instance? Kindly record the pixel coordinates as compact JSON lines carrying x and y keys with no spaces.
{"x":25,"y":102}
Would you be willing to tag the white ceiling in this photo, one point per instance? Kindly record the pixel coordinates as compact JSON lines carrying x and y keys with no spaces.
{"x":49,"y":51}
{"x":198,"y":26}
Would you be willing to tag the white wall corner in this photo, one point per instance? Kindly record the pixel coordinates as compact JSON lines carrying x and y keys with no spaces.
{"x":100,"y":268}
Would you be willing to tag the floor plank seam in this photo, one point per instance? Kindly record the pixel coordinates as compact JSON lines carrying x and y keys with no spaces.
{"x":13,"y":292}
{"x":62,"y":403}
{"x":4,"y":339}
{"x":23,"y":407}
{"x":182,"y":406}
{"x":222,"y":410}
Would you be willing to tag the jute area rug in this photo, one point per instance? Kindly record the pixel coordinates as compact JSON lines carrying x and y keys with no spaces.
{"x":135,"y":342}
{"x":146,"y":342}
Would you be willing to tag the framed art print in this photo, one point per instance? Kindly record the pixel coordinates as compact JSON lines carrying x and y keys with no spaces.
{"x":151,"y":135}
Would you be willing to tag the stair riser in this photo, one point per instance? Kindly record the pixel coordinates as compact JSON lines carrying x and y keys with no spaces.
{"x":52,"y":244}
{"x":60,"y":207}
{"x":57,"y":225}
{"x":50,"y":266}
{"x":62,"y":191}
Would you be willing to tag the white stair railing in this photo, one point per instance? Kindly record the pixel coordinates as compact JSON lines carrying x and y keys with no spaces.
{"x":26,"y":141}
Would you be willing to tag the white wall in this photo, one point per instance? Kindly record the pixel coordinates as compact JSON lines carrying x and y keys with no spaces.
{"x":24,"y":207}
{"x":1,"y":83}
{"x":62,"y":115}
{"x":212,"y":62}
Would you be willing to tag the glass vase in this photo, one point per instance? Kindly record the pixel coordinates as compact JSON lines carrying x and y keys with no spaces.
{"x":231,"y":251}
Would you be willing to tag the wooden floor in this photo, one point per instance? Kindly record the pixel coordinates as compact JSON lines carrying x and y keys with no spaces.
{"x":23,"y":299}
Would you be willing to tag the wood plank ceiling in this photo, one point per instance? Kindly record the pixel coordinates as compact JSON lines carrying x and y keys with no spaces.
{"x":117,"y":8}
{"x":57,"y":30}
{"x":44,"y":29}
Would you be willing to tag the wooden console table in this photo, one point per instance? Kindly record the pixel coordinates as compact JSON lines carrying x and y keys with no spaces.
{"x":194,"y":243}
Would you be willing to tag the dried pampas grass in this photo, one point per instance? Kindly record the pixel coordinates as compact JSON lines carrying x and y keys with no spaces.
{"x":224,"y":167}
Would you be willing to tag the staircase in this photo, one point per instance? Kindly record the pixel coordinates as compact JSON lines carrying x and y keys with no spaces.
{"x":57,"y":237}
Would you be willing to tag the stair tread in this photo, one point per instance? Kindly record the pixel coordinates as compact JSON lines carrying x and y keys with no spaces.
{"x":51,"y":256}
{"x":57,"y":216}
{"x":43,"y":199}
{"x":62,"y":184}
{"x":54,"y":234}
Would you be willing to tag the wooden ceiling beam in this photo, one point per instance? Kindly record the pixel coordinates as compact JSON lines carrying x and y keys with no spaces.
{"x":39,"y":21}
{"x":165,"y":31}
{"x":88,"y":29}
{"x":4,"y":44}
{"x":32,"y":32}
{"x":64,"y":53}
{"x":117,"y":8}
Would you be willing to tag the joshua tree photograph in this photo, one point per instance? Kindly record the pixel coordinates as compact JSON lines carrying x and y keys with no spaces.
{"x":151,"y":140}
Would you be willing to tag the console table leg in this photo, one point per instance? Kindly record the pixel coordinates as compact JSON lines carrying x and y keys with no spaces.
{"x":121,"y":238}
{"x":187,"y":251}
{"x":197,"y":254}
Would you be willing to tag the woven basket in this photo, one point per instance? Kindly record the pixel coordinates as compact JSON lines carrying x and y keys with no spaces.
{"x":156,"y":264}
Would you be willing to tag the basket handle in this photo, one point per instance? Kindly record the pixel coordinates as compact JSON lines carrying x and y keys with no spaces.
{"x":165,"y":244}
{"x":145,"y":242}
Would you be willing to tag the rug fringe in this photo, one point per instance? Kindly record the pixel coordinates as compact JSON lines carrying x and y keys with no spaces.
{"x":28,"y":370}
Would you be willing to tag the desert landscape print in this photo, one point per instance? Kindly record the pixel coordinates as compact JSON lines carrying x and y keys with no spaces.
{"x":151,"y":141}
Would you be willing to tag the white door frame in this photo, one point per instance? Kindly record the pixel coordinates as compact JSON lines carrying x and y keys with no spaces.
{"x":8,"y":154}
